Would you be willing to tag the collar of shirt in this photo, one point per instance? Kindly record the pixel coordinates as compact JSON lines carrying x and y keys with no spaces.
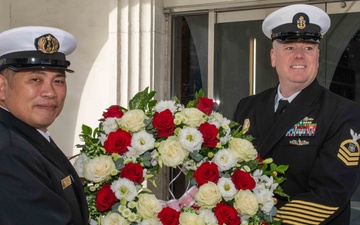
{"x":45,"y":134}
{"x":280,"y":96}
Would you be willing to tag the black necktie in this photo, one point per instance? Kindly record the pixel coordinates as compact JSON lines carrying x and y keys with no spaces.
{"x":281,"y":107}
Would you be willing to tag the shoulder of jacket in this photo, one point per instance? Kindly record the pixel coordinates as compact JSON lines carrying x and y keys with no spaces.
{"x":4,"y":135}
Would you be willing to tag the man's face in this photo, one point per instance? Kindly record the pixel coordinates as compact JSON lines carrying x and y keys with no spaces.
{"x":296,"y":63}
{"x":34,"y":96}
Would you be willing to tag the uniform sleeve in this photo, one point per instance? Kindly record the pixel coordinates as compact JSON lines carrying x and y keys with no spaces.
{"x":333,"y":178}
{"x":27,"y":191}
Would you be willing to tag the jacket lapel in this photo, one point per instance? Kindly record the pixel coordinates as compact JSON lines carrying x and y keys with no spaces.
{"x":299,"y":108}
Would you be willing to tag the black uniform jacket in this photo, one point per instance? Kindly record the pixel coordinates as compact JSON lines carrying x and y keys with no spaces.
{"x":318,"y":137}
{"x":38,"y":184}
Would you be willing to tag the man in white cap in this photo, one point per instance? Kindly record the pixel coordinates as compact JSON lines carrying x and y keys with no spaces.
{"x":304,"y":125}
{"x":37,"y":182}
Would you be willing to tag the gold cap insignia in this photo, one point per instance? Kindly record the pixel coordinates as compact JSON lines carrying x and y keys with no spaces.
{"x":301,"y":23}
{"x":47,"y":44}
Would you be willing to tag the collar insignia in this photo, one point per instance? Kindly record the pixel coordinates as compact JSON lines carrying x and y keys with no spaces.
{"x":47,"y":44}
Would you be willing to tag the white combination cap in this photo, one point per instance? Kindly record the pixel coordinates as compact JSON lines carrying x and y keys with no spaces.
{"x":300,"y":22}
{"x":36,"y":47}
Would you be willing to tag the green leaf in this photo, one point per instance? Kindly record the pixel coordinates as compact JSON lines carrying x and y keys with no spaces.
{"x":86,"y":130}
{"x":196,"y":156}
{"x":142,"y":99}
{"x":281,"y":169}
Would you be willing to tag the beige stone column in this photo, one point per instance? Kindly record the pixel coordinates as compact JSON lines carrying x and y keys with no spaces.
{"x":141,"y":46}
{"x":141,"y":58}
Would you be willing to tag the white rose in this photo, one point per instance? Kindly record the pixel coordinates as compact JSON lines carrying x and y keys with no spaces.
{"x":246,"y":203}
{"x":113,"y":219}
{"x":208,"y":195}
{"x":243,"y":149}
{"x":225,"y":159}
{"x":171,"y":152}
{"x":148,"y":206}
{"x":187,"y":218}
{"x":133,"y":120}
{"x":194,"y":117}
{"x":98,"y":168}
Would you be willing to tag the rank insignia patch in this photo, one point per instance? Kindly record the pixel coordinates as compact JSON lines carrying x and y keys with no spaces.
{"x":349,"y":150}
{"x":303,"y":128}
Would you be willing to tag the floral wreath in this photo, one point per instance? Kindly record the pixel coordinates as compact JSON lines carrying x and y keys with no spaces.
{"x":231,"y":184}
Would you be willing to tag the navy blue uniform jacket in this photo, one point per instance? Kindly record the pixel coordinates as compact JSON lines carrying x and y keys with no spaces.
{"x":318,"y":137}
{"x":38,"y":184}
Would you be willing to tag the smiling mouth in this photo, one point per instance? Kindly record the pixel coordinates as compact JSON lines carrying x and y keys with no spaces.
{"x":298,"y":67}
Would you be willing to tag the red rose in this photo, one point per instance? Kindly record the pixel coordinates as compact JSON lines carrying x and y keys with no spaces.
{"x":206,"y":172}
{"x":209,"y":133}
{"x":164,"y":123}
{"x":242,"y":180}
{"x":113,"y":111}
{"x":118,"y":142}
{"x":226,"y":214}
{"x":205,"y":105}
{"x":169,"y":216}
{"x":133,"y":172}
{"x":105,"y":198}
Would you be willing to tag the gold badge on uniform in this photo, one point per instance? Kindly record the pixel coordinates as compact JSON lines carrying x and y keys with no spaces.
{"x":349,"y":150}
{"x":66,"y":182}
{"x":47,"y":44}
{"x":301,"y":23}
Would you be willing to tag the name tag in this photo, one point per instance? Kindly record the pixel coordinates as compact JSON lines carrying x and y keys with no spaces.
{"x":66,"y":182}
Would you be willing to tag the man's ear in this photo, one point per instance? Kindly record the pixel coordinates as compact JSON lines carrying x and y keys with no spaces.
{"x":3,"y":87}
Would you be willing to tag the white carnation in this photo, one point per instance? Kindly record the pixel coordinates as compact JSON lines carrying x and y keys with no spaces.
{"x":110,"y":124}
{"x":151,"y":221}
{"x":208,"y":216}
{"x":124,"y":188}
{"x":191,"y":139}
{"x":225,"y":159}
{"x":80,"y":163}
{"x":163,"y":105}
